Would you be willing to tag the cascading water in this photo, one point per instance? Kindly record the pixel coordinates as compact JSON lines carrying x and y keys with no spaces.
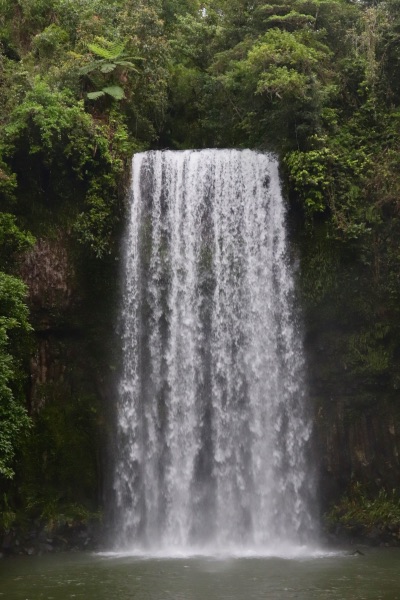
{"x":212,"y":429}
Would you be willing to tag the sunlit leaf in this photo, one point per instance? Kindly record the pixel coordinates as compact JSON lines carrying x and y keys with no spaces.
{"x":95,"y":95}
{"x":115,"y":91}
{"x":110,"y":53}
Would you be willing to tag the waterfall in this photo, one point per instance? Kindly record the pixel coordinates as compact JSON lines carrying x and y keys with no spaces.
{"x":212,"y":431}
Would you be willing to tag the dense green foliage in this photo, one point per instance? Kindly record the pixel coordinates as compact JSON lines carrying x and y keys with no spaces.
{"x":14,"y":333}
{"x":84,"y":84}
{"x":360,"y":513}
{"x":13,"y":417}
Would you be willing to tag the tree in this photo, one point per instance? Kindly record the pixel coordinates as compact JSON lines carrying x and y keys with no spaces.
{"x":14,"y":325}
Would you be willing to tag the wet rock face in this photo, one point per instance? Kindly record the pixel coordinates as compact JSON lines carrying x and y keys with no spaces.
{"x":353,"y":360}
{"x":39,"y":539}
{"x":49,"y":274}
{"x":54,"y":301}
{"x":60,"y":462}
{"x":356,"y":446}
{"x":357,"y":417}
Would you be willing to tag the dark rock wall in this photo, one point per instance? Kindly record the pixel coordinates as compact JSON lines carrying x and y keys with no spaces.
{"x":62,"y":462}
{"x":55,"y":303}
{"x":352,"y":381}
{"x":356,"y":446}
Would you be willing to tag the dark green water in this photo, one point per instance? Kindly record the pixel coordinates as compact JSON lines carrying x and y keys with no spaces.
{"x":92,"y":577}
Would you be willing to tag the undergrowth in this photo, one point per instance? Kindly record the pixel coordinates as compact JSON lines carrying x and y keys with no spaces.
{"x":358,"y":508}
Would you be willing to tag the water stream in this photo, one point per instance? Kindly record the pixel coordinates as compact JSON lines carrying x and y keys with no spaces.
{"x":212,"y":428}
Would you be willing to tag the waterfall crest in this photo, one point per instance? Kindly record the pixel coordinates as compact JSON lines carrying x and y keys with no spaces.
{"x":212,"y":429}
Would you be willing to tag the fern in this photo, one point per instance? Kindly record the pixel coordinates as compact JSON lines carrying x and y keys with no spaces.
{"x":113,"y":51}
{"x":95,"y":95}
{"x":115,"y":91}
{"x":109,"y":56}
{"x":107,"y":67}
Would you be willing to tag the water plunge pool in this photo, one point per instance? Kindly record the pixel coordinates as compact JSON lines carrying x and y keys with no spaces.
{"x":329,"y":576}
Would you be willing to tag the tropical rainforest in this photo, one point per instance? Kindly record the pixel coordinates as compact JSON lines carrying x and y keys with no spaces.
{"x":86,"y":83}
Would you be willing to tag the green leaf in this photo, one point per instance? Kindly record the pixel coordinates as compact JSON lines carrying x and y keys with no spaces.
{"x":86,"y":69}
{"x":129,"y":57}
{"x":95,"y":95}
{"x":115,"y":91}
{"x":126,"y":63}
{"x":110,"y":53}
{"x":107,"y":67}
